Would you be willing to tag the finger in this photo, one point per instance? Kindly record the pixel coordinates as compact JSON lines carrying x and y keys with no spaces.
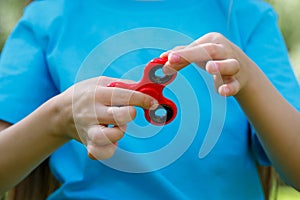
{"x":165,"y":54}
{"x":199,"y":55}
{"x":175,"y":63}
{"x":228,"y":67}
{"x":122,"y":97}
{"x":103,"y":141}
{"x":172,"y":58}
{"x":101,"y":135}
{"x":115,"y":115}
{"x":101,"y":152}
{"x":210,"y":38}
{"x":230,"y":88}
{"x":202,"y":52}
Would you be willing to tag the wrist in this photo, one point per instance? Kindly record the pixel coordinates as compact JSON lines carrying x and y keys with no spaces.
{"x":248,"y":80}
{"x":58,"y":117}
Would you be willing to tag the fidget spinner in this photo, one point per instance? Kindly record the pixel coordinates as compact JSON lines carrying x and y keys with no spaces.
{"x":153,"y":83}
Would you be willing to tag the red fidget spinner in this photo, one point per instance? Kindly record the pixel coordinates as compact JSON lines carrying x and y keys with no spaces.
{"x":153,"y":83}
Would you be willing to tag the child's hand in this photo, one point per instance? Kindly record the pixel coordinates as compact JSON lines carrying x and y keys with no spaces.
{"x":218,"y":56}
{"x":99,"y":114}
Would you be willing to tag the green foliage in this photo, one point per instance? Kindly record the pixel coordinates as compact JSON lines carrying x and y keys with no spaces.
{"x":289,"y":15}
{"x":10,"y":12}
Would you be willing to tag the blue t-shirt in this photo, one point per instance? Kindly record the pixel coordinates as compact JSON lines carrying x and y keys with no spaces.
{"x":209,"y":151}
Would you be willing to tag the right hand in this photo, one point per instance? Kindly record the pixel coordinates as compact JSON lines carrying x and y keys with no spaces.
{"x":97,"y":115}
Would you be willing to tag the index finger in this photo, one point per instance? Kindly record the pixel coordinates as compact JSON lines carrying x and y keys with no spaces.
{"x":198,"y":54}
{"x":112,"y":96}
{"x":200,"y":51}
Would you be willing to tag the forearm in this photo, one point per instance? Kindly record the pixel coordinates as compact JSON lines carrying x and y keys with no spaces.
{"x":276,"y":122}
{"x":91,"y":104}
{"x":235,"y":74}
{"x":27,"y":143}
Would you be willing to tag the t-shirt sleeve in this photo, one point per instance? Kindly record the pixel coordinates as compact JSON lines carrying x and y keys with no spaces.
{"x":25,"y":82}
{"x":267,"y":48}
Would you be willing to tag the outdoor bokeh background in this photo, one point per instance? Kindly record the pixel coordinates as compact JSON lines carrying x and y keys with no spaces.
{"x":289,"y":15}
{"x":288,"y":11}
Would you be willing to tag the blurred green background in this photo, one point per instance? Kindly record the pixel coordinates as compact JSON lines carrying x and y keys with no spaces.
{"x":289,"y":15}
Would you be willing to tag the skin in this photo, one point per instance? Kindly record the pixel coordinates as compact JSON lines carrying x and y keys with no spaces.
{"x":82,"y":113}
{"x":276,"y":122}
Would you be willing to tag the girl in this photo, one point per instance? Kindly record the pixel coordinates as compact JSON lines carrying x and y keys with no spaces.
{"x":63,"y":42}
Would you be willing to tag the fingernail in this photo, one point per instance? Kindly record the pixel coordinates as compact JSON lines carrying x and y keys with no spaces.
{"x":154,"y":105}
{"x":224,"y":91}
{"x":173,"y":58}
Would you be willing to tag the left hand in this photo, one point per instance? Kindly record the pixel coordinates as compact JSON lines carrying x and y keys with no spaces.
{"x":218,"y":56}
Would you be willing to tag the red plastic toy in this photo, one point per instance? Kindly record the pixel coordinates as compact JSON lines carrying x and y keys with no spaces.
{"x":152,"y":83}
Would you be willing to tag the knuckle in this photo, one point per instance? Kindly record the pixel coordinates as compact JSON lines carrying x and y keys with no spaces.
{"x":211,"y":36}
{"x":216,"y":37}
{"x":103,"y":79}
{"x":96,"y":134}
{"x":123,"y":94}
{"x":100,"y":138}
{"x":145,"y":101}
{"x":110,"y":113}
{"x":136,"y":98}
{"x":235,"y":66}
{"x":124,"y":115}
{"x":120,"y":116}
{"x":213,"y":50}
{"x":91,"y":134}
{"x":99,"y":93}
